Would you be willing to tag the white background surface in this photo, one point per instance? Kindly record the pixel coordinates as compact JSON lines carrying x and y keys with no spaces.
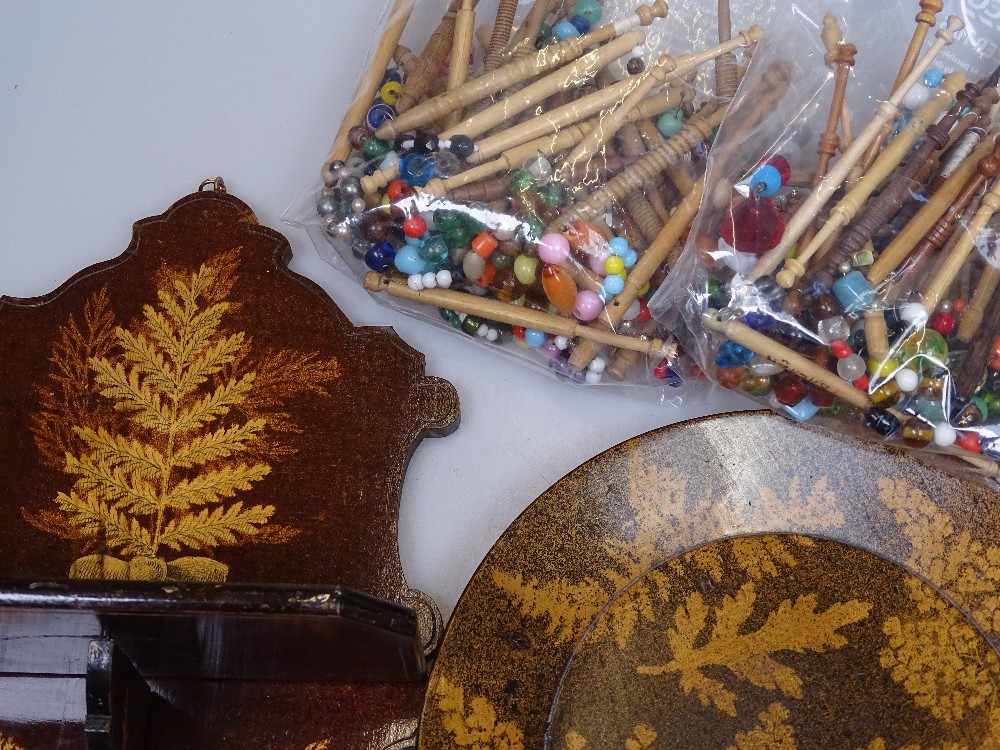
{"x":109,"y":112}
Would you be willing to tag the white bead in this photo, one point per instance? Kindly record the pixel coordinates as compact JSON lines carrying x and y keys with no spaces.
{"x":429,"y":280}
{"x":492,"y":335}
{"x":593,"y":377}
{"x":391,"y":160}
{"x":917,"y":96}
{"x":633,"y":311}
{"x":833,"y":328}
{"x":914,"y":313}
{"x":561,"y":342}
{"x":483,"y":331}
{"x":944,"y":434}
{"x":760,"y":366}
{"x":415,"y":282}
{"x":597,"y":365}
{"x":907,"y":380}
{"x":638,"y":51}
{"x":444,"y":278}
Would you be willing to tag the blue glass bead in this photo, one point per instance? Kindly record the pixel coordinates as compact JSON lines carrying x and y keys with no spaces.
{"x":434,"y":251}
{"x":582,"y":24}
{"x":417,"y":242}
{"x":630,"y":258}
{"x":379,"y":114}
{"x":416,"y":170}
{"x":853,"y":291}
{"x":408,"y":261}
{"x":802,"y":411}
{"x":670,"y":122}
{"x":933,"y":78}
{"x":565,"y":30}
{"x":392,"y":75}
{"x":533,"y":337}
{"x":380,"y":257}
{"x":881,"y":421}
{"x":759,"y":321}
{"x":589,"y":9}
{"x":765,"y":181}
{"x":732,"y":355}
{"x":618,"y":246}
{"x":614,"y":285}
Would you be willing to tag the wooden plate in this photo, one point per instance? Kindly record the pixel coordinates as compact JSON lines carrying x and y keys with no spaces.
{"x":599,"y":553}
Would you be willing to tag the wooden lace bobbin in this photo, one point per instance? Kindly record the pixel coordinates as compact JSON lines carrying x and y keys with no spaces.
{"x":962,"y":251}
{"x":726,"y":75}
{"x":897,"y":251}
{"x":936,"y":238}
{"x":657,"y":73}
{"x":547,"y":145}
{"x":981,"y":332}
{"x":887,"y":161}
{"x":525,"y":36}
{"x":370,"y":82}
{"x":461,"y":48}
{"x":637,"y":206}
{"x":969,"y":131}
{"x":925,"y":19}
{"x":405,"y":58}
{"x":566,"y":77}
{"x":651,"y":260}
{"x":430,"y":60}
{"x":515,"y":72}
{"x":502,"y":312}
{"x":502,"y":27}
{"x":677,"y":173}
{"x":840,"y":59}
{"x":881,"y":210}
{"x":495,"y":188}
{"x":961,"y":150}
{"x":886,"y":112}
{"x":792,"y":361}
{"x":695,"y":130}
{"x":986,"y":288}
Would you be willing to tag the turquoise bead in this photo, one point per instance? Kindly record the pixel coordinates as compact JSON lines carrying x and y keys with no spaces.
{"x":434,"y":251}
{"x":408,"y":261}
{"x":565,"y":30}
{"x":853,"y":291}
{"x":670,"y":122}
{"x":803,"y":411}
{"x":589,"y":9}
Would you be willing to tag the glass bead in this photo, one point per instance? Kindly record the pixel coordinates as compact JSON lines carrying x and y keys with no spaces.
{"x":833,"y":328}
{"x":851,"y":367}
{"x":780,"y":163}
{"x":445,"y":278}
{"x":635,"y":66}
{"x":470,"y":325}
{"x":520,"y":182}
{"x":755,"y":226}
{"x":434,"y":251}
{"x":356,"y":136}
{"x":560,"y":289}
{"x":944,"y":434}
{"x":391,"y":92}
{"x":789,"y":389}
{"x":553,"y":248}
{"x":820,"y":396}
{"x":943,"y":323}
{"x":917,"y":433}
{"x":582,"y":24}
{"x":886,"y":395}
{"x":926,"y":349}
{"x":473,"y":266}
{"x":588,"y":305}
{"x":544,"y":31}
{"x":729,"y":377}
{"x":803,"y":411}
{"x":670,"y":122}
{"x":761,"y":366}
{"x":392,"y":75}
{"x":853,"y":292}
{"x":907,"y":380}
{"x":539,"y":168}
{"x":533,"y":337}
{"x":755,"y":385}
{"x":969,"y":441}
{"x":378,"y":115}
{"x":526,"y":269}
{"x":414,"y":226}
{"x":823,"y":306}
{"x":375,"y":226}
{"x":614,"y":265}
{"x":552,"y":194}
{"x":451,"y":317}
{"x":446,"y":164}
{"x":731,"y":354}
{"x":397,"y":189}
{"x":380,"y":257}
{"x":765,"y":181}
{"x":589,"y":9}
{"x":933,"y":77}
{"x":881,"y":421}
{"x":500,"y":260}
{"x":533,"y":225}
{"x":613,"y":285}
{"x":918,"y":95}
{"x":484,"y":244}
{"x":913,"y":314}
{"x":408,"y":261}
{"x":462,"y":146}
{"x":416,"y":170}
{"x":974,"y":413}
{"x":425,"y":142}
{"x":565,"y":30}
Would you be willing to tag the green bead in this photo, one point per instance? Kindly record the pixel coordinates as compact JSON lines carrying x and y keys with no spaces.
{"x":504,"y":333}
{"x":534,"y":222}
{"x":544,"y":31}
{"x":435,"y":250}
{"x":589,"y":9}
{"x":553,"y":194}
{"x":445,"y":219}
{"x":526,"y":269}
{"x":521,"y":181}
{"x":992,"y":401}
{"x":451,"y":317}
{"x":931,"y":410}
{"x":670,"y":122}
{"x":927,"y":348}
{"x":501,"y":261}
{"x":715,"y":298}
{"x":375,"y":148}
{"x":471,"y":324}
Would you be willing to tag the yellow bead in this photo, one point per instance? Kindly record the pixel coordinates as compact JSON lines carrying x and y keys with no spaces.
{"x":391,"y":92}
{"x":614,"y":265}
{"x":882,"y":367}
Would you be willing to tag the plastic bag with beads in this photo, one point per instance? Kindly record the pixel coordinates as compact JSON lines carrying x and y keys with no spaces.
{"x":842,"y":267}
{"x":524,"y":172}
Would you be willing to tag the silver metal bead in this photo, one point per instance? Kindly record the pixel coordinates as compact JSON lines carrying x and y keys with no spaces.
{"x":844,"y":268}
{"x":332,"y":173}
{"x":358,"y":205}
{"x":326,"y":205}
{"x":350,"y":188}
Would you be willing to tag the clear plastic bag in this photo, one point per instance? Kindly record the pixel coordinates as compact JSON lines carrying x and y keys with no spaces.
{"x":530,"y":207}
{"x":830,"y":280}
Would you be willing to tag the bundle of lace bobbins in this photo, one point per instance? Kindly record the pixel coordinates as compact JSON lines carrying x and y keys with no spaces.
{"x":858,"y":308}
{"x":534,"y":186}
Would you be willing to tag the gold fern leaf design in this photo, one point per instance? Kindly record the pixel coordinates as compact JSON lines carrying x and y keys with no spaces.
{"x":772,"y":733}
{"x":920,"y":656}
{"x":476,"y":725}
{"x":321,"y":745}
{"x":795,"y":627}
{"x":574,"y":741}
{"x":6,"y":743}
{"x":879,"y":744}
{"x":967,"y":569}
{"x":642,"y":737}
{"x":192,"y":429}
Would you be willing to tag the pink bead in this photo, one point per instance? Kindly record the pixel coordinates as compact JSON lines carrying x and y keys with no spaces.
{"x":549,"y":349}
{"x":588,"y":305}
{"x":596,"y":261}
{"x":553,"y":248}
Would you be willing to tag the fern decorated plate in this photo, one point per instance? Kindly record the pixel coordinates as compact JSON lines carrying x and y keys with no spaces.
{"x":734,"y":582}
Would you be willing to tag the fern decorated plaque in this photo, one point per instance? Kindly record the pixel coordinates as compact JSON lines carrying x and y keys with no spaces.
{"x":191,"y":416}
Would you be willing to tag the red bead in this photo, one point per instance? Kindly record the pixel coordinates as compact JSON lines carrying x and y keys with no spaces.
{"x":484,"y":244}
{"x":729,"y":377}
{"x":861,"y":383}
{"x":820,"y":396}
{"x":398,"y":189}
{"x":790,"y":389}
{"x":840,"y":349}
{"x":943,"y":323}
{"x":414,"y":226}
{"x":644,"y":313}
{"x":661,"y":370}
{"x":518,"y":332}
{"x":755,"y":226}
{"x":969,"y":441}
{"x":958,"y":306}
{"x":784,"y":168}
